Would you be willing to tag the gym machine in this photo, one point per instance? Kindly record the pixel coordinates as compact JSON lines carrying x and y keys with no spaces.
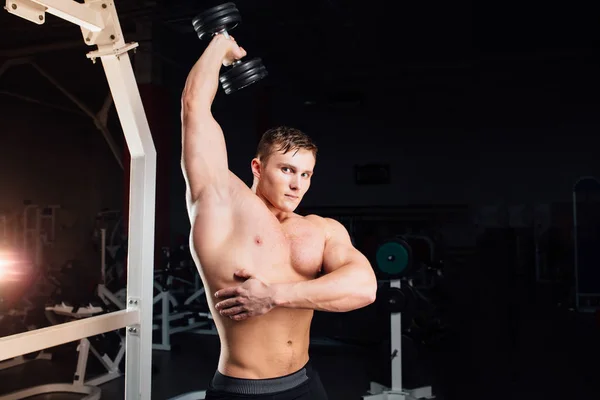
{"x":100,"y":26}
{"x":396,"y":391}
{"x":116,"y":299}
{"x":397,"y":264}
{"x":197,"y":317}
{"x":80,"y":384}
{"x":396,"y":257}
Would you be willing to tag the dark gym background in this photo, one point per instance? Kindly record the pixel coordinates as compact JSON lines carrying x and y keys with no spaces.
{"x":466,"y":105}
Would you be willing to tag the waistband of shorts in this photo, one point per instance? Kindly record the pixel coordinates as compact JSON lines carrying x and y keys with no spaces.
{"x":259,"y":386}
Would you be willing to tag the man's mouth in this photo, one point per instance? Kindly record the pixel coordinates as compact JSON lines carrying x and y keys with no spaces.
{"x":291,"y":196}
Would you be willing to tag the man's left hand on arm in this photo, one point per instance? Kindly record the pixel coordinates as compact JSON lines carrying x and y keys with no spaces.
{"x":252,"y":298}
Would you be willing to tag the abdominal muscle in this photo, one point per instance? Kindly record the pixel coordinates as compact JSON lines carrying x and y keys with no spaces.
{"x":268,"y":346}
{"x":271,"y":345}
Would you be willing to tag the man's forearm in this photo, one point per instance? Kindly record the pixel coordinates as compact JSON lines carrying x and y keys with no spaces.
{"x":202,"y":82}
{"x":348,"y":288}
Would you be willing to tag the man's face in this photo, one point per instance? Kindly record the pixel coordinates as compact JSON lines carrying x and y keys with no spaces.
{"x":284,"y":178}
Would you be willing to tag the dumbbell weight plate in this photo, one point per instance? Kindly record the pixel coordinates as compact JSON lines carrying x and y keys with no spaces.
{"x":394,"y":257}
{"x":242,"y":75}
{"x":225,"y":16}
{"x":394,"y":300}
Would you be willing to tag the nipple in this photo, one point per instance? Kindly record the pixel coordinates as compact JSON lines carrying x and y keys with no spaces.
{"x":258,"y":240}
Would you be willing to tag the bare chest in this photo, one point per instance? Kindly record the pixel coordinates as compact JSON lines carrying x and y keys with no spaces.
{"x":305,"y":243}
{"x":292,"y":247}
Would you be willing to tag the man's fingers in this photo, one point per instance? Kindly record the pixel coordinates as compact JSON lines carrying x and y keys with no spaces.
{"x":229,"y":312}
{"x":227,"y":303}
{"x":229,"y":292}
{"x":242,"y":53}
{"x":240,"y":317}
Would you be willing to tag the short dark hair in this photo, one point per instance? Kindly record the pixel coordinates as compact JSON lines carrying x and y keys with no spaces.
{"x":283,"y":138}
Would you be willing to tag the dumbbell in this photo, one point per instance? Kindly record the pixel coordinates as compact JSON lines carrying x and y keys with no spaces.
{"x":220,"y":20}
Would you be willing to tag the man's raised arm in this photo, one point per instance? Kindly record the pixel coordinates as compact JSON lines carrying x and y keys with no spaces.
{"x":204,"y":155}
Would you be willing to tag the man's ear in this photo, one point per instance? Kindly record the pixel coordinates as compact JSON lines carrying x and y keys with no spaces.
{"x":256,"y":166}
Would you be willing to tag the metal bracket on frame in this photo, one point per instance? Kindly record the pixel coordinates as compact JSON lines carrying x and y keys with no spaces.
{"x":93,"y":55}
{"x":133,"y":303}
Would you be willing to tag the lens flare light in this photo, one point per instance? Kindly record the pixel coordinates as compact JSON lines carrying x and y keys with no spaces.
{"x":12,"y":267}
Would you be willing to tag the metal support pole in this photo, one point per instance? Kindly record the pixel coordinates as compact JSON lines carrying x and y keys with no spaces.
{"x":100,"y":26}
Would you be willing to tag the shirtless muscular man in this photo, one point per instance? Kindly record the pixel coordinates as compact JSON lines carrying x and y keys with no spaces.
{"x":265,"y":268}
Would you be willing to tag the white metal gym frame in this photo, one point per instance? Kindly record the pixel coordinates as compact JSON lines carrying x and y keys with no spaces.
{"x":100,"y":27}
{"x":397,"y":392}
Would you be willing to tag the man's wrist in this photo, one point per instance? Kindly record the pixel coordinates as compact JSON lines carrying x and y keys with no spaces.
{"x":214,"y":56}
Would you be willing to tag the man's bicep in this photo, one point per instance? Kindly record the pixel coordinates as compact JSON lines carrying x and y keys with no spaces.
{"x":204,"y":154}
{"x":339,"y":250}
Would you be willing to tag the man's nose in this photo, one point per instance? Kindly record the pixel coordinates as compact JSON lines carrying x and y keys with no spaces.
{"x":295,"y":182}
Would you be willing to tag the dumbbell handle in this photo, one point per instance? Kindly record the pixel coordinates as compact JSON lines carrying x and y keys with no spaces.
{"x":226,"y":34}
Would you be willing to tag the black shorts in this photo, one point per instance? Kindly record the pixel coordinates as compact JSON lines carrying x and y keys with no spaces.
{"x":304,"y":384}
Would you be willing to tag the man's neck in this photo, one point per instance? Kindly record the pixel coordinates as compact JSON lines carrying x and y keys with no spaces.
{"x":279,"y":214}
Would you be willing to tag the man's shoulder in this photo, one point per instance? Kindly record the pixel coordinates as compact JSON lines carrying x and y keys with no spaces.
{"x":317,"y":219}
{"x":327,"y":224}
